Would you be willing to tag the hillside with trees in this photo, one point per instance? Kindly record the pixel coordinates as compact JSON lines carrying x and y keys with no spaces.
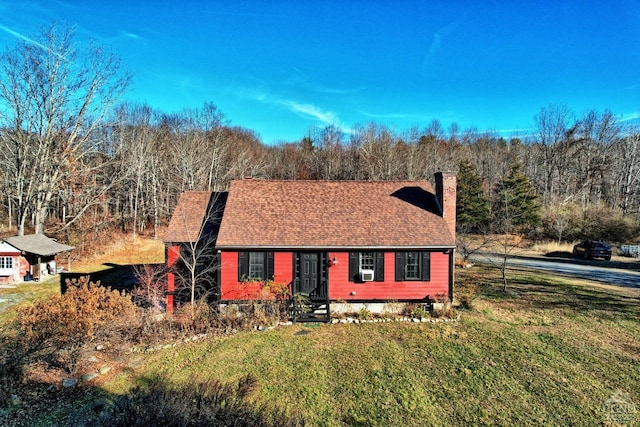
{"x":76,"y":162}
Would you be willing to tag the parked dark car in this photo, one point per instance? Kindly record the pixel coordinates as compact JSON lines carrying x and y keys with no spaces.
{"x":592,"y":249}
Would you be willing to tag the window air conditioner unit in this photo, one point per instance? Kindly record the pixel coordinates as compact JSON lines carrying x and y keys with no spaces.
{"x":366,"y":275}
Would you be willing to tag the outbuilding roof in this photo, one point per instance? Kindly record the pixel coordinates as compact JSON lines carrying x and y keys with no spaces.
{"x":38,"y":244}
{"x":332,"y":214}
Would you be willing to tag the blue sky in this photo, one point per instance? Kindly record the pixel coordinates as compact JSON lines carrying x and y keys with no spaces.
{"x":284,"y":68}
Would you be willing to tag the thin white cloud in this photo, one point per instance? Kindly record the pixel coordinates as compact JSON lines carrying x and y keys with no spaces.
{"x":398,"y":116}
{"x":308,"y":110}
{"x":428,"y":64}
{"x":22,"y":37}
{"x":630,"y":116}
{"x":30,"y":41}
{"x":301,"y":80}
{"x":304,"y":110}
{"x":326,"y":118}
{"x":129,"y":35}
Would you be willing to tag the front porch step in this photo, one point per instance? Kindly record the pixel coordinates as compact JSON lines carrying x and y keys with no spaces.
{"x":312,"y":312}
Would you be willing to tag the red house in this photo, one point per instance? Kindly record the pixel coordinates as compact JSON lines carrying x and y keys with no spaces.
{"x":341,"y":244}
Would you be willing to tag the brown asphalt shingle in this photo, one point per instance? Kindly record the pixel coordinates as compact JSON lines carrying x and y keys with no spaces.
{"x":187,"y":218}
{"x":332,"y":214}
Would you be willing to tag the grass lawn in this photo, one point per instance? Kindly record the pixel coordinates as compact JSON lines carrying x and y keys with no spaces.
{"x":550,"y":351}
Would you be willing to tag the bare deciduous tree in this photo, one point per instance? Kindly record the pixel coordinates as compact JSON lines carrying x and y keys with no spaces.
{"x":197,"y":258}
{"x":552,"y":124}
{"x":53,"y":97}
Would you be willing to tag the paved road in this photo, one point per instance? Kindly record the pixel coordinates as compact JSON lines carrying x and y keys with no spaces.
{"x":613,"y":273}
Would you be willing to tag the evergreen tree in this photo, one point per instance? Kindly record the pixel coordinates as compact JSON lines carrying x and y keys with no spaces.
{"x":516,"y":207}
{"x":307,"y":144}
{"x":472,"y":209}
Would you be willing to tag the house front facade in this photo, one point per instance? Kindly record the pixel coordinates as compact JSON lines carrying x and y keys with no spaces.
{"x":340,"y":244}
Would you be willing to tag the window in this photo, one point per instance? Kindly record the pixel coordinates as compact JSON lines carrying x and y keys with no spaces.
{"x":255,"y":266}
{"x":413,"y":266}
{"x":367,"y":261}
{"x":6,"y":262}
{"x":359,"y":261}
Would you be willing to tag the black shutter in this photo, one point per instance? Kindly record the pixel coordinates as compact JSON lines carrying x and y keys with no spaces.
{"x":268,"y":266}
{"x":296,"y":271}
{"x":379,"y":266}
{"x":243,"y":266}
{"x":354,"y":271}
{"x":400,"y":266}
{"x":426,"y":266}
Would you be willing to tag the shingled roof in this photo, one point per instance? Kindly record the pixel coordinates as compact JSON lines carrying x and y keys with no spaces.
{"x":188,"y":216}
{"x":38,"y":244}
{"x":332,"y":214}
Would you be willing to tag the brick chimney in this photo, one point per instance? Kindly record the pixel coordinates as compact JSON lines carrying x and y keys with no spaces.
{"x":446,"y":195}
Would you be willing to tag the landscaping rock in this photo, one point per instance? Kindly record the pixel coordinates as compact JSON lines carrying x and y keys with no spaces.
{"x":69,"y":382}
{"x":88,"y":377}
{"x":104,"y":370}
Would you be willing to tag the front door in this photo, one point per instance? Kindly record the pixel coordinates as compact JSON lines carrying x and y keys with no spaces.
{"x":311,"y":274}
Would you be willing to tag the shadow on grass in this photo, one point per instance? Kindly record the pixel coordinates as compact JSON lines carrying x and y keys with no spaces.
{"x":540,"y":291}
{"x":198,"y":402}
{"x":117,"y":277}
{"x":155,"y":401}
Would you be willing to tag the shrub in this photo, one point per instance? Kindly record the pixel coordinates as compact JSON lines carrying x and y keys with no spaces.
{"x":420,"y":313}
{"x":364,"y":314}
{"x":415,"y":310}
{"x":197,"y":318}
{"x":63,"y":324}
{"x":150,"y":292}
{"x":446,"y":312}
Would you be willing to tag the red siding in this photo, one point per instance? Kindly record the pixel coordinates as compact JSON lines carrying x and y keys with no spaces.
{"x":23,"y":265}
{"x":340,"y":288}
{"x":232,"y":289}
{"x":172,"y":255}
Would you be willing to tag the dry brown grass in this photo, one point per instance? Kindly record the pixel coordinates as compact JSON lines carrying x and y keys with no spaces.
{"x":544,"y":248}
{"x":124,"y":251}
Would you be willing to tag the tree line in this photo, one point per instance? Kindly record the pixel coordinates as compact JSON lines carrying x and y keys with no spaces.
{"x":74,"y":160}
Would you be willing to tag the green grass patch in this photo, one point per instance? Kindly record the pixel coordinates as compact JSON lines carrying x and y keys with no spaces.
{"x":23,"y":294}
{"x":549,"y":352}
